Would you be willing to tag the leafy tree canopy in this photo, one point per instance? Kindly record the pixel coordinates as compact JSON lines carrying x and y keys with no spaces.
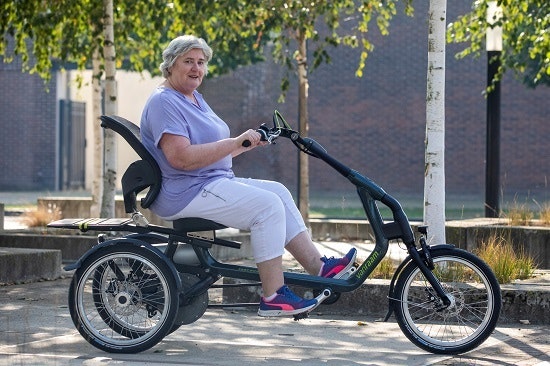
{"x":44,"y":32}
{"x":344,"y":22}
{"x":526,"y":36}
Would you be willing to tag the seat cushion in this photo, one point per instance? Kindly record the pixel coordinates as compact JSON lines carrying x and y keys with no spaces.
{"x":191,"y":224}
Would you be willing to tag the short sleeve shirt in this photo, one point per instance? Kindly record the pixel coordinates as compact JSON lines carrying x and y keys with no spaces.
{"x":168,"y":111}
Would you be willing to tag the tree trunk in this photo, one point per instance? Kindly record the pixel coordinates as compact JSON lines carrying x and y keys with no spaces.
{"x":110,"y":153}
{"x":97,"y":183}
{"x":303,"y":193}
{"x":434,"y":180}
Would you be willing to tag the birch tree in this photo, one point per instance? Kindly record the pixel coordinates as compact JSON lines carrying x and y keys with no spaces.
{"x":97,"y":164}
{"x":109,"y":141}
{"x":434,"y":172}
{"x":303,"y":122}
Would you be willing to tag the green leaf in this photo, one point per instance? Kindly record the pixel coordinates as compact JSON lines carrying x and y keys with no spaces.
{"x":526,"y":39}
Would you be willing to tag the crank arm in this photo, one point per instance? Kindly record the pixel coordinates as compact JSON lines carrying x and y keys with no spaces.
{"x":325,"y":294}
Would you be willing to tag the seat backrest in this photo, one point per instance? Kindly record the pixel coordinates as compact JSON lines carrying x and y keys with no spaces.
{"x":141,"y":174}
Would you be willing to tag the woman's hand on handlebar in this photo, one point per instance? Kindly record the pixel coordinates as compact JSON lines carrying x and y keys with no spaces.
{"x":249,"y":140}
{"x":267,"y":136}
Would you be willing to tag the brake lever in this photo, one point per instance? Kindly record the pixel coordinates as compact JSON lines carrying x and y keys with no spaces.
{"x":269,"y":135}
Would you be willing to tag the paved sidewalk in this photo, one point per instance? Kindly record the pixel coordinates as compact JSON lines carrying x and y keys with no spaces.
{"x":36,"y":329}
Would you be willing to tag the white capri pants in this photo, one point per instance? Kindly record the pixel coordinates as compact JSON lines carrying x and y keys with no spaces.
{"x":265,"y":208}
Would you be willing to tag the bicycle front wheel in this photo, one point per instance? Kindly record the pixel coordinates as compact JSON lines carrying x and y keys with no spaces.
{"x":474,"y":309}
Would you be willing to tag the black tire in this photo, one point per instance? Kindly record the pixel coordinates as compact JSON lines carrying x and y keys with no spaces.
{"x":467,"y":322}
{"x":123,"y":299}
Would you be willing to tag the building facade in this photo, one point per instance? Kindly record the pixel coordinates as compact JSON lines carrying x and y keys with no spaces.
{"x":375,"y":124}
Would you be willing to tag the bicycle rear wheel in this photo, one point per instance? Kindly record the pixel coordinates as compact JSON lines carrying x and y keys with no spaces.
{"x":123,"y":299}
{"x":472,"y":315}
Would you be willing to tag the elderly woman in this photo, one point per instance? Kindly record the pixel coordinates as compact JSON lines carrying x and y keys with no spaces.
{"x":194,"y":150}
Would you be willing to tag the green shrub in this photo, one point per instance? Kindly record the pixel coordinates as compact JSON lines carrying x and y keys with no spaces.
{"x":506,"y":263}
{"x":519,"y":215}
{"x":384,"y":269}
{"x":544,"y":214}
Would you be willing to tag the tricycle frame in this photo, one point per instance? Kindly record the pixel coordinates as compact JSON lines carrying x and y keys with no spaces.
{"x":163,"y":244}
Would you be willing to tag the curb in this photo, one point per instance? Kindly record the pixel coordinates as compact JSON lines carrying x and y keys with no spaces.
{"x":526,"y":304}
{"x":18,"y":265}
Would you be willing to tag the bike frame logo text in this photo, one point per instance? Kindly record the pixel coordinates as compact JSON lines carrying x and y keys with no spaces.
{"x":368,"y":264}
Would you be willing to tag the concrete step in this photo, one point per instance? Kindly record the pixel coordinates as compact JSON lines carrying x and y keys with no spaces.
{"x":72,"y":247}
{"x":20,"y":265}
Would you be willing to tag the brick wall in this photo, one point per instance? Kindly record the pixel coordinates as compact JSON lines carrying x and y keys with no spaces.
{"x":375,"y":124}
{"x":28,"y":125}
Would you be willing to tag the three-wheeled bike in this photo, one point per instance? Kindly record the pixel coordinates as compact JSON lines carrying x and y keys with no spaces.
{"x":128,"y":292}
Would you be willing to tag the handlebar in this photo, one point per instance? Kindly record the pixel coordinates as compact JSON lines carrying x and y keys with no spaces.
{"x":367,"y":189}
{"x":267,"y":134}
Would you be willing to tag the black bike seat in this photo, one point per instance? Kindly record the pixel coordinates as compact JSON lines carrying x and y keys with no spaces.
{"x":191,"y":224}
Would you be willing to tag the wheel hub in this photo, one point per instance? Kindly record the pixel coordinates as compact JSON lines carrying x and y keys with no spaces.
{"x":126,"y":300}
{"x":122,"y":299}
{"x":457,"y":303}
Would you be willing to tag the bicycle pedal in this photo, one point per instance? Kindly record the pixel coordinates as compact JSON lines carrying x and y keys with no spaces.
{"x":347,"y":274}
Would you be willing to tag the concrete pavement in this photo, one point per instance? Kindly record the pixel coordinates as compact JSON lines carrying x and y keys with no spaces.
{"x":36,"y":329}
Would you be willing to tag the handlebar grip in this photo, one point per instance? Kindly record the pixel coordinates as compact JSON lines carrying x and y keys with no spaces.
{"x":263,"y":131}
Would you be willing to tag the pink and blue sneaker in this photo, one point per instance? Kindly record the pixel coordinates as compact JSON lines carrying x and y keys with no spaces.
{"x":285,"y":303}
{"x":338,"y":267}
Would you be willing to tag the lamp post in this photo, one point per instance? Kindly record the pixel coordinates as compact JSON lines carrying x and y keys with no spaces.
{"x":492,"y":161}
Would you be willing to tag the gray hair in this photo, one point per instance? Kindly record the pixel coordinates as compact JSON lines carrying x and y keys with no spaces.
{"x":179,"y":46}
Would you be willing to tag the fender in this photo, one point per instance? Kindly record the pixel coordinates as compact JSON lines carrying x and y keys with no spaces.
{"x":134,"y":241}
{"x":151,"y":238}
{"x":397,"y":273}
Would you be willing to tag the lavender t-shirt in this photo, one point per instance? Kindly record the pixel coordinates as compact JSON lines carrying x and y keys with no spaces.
{"x":168,"y":111}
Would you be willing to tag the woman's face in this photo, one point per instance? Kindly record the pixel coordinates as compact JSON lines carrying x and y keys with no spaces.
{"x":188,"y":70}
